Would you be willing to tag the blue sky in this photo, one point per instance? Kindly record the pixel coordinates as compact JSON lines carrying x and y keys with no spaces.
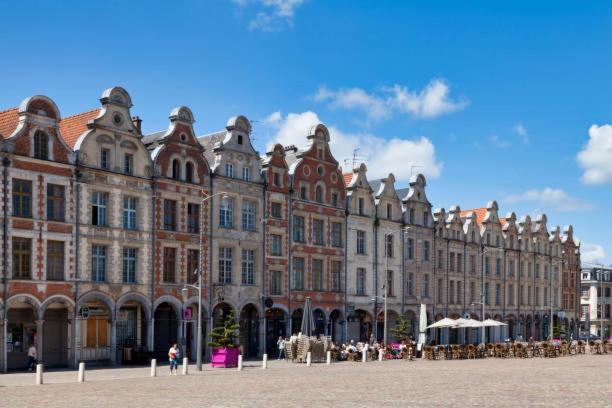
{"x":496,"y":101}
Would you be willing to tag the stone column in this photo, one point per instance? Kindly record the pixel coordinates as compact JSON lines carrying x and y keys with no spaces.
{"x":150,"y":331}
{"x":113,"y":342}
{"x":39,"y":339}
{"x":76,"y":341}
{"x":262,"y":335}
{"x":3,"y":345}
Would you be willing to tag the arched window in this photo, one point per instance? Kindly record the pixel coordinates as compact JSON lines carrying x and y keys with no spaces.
{"x":176,"y":169}
{"x":319,"y":194}
{"x":189,"y":172}
{"x":41,"y":145}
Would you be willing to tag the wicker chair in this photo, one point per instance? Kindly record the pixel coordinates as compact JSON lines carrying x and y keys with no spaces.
{"x":581,"y":347}
{"x":490,"y":350}
{"x":500,"y":351}
{"x":519,"y":350}
{"x":441,"y":353}
{"x":471,"y":351}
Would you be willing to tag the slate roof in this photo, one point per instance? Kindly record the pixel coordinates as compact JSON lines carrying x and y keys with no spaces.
{"x":208,"y":142}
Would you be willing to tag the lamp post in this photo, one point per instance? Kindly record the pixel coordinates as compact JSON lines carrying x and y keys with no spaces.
{"x":482,"y":288}
{"x":386,"y":285}
{"x":199,"y":273}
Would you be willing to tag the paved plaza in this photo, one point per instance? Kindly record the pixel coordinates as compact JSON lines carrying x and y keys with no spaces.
{"x":584,"y":381}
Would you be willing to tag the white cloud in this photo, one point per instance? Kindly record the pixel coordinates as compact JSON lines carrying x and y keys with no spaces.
{"x":520,"y":130}
{"x":596,"y":158}
{"x":592,"y":253}
{"x":273,"y":118}
{"x":382,"y":156}
{"x":433,"y":100}
{"x":271,"y":15}
{"x":499,"y":143}
{"x":551,"y":198}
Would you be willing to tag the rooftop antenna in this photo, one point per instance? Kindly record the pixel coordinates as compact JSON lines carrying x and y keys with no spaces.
{"x":355,"y":160}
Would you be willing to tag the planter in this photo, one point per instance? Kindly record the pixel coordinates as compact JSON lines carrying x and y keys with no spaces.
{"x":225,"y":357}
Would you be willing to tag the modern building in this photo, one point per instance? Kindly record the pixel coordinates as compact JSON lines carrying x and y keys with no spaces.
{"x":596,"y":302}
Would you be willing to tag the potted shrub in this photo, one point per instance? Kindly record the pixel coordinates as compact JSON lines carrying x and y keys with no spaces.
{"x":224,"y":345}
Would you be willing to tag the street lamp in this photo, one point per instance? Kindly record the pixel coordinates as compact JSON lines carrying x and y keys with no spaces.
{"x":482,"y":288}
{"x":386,"y":285}
{"x":198,"y":272}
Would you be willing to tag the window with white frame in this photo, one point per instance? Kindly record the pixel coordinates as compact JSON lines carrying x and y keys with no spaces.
{"x":298,"y":229}
{"x":129,"y":213}
{"x":317,"y":274}
{"x":246,"y":173}
{"x":336,"y":267}
{"x":129,"y":265}
{"x":229,"y":170}
{"x":276,"y":245}
{"x":298,"y":274}
{"x":248,"y":215}
{"x":98,"y":263}
{"x":248,"y":267}
{"x":318,"y":232}
{"x":336,"y":234}
{"x":225,"y":265}
{"x":361,"y":242}
{"x":226,"y":213}
{"x":99,"y":201}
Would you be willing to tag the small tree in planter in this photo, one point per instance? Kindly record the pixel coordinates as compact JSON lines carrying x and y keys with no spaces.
{"x":403,"y":328}
{"x":224,"y":343}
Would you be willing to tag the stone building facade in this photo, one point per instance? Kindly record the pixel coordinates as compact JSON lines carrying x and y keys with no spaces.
{"x":106,"y":232}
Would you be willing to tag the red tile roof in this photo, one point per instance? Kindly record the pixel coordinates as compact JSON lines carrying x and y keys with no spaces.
{"x":73,"y":126}
{"x":347,"y":178}
{"x":8,"y":121}
{"x":480,"y":214}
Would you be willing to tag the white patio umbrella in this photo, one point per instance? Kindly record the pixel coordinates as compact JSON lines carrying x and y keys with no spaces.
{"x":467,"y":323}
{"x":492,"y":323}
{"x":443,"y":323}
{"x":422,"y":325}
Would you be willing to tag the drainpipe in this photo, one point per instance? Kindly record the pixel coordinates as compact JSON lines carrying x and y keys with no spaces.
{"x":77,"y":266}
{"x":375,"y":315}
{"x":433,"y":277}
{"x":464,"y":276}
{"x":403,"y":244}
{"x":505,"y":295}
{"x":447,"y":277}
{"x":150,"y":340}
{"x":289,"y":257}
{"x":210,"y":255}
{"x":263,"y":265}
{"x":346,"y":229}
{"x":520,"y":297}
{"x":5,"y":164}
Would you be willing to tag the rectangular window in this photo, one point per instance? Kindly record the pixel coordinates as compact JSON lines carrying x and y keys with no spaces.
{"x":361,"y":281}
{"x":276,"y":245}
{"x":410,"y":284}
{"x":389,"y":211}
{"x":440,"y":290}
{"x":22,"y":258}
{"x":521,"y":295}
{"x":99,"y":201}
{"x":411,"y":216}
{"x":169,"y":273}
{"x":336,"y":267}
{"x":105,"y":159}
{"x":472,"y":263}
{"x":425,"y":250}
{"x":193,"y":218}
{"x":248,"y":267}
{"x":170,"y":215}
{"x":317,"y":274}
{"x":472,"y":292}
{"x":248,"y":215}
{"x":276,"y":179}
{"x":193,"y":265}
{"x":361,"y":242}
{"x":225,"y":265}
{"x":334,"y":199}
{"x":459,"y":292}
{"x":487,"y":265}
{"x":303,"y":193}
{"x":129,"y":213}
{"x":498,"y":267}
{"x":229,"y":170}
{"x":459,"y":263}
{"x":390,"y":288}
{"x":22,"y":198}
{"x":129,"y":265}
{"x":440,"y":261}
{"x":298,"y":274}
{"x":529,"y":295}
{"x":425,"y":218}
{"x":361,"y":206}
{"x":426,"y":285}
{"x":537,"y":271}
{"x":410,"y":248}
{"x":497,"y":294}
{"x":510,"y":295}
{"x":226,"y":213}
{"x":486,"y":293}
{"x":246,"y":174}
{"x":55,"y":260}
{"x":276,"y":283}
{"x":298,"y":229}
{"x":128,"y":163}
{"x":451,"y":292}
{"x":545,"y":296}
{"x":536,"y":290}
{"x":510,"y":268}
{"x":336,"y":234}
{"x":389,"y":246}
{"x":276,"y":210}
{"x":452,"y":262}
{"x":55,"y":202}
{"x":317,"y":232}
{"x":98,"y":263}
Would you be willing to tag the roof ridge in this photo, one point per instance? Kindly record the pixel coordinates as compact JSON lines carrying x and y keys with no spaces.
{"x":9,"y":109}
{"x":80,"y":114}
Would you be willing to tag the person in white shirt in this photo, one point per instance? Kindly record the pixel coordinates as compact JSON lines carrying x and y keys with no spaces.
{"x":173,"y":357}
{"x":32,"y":357}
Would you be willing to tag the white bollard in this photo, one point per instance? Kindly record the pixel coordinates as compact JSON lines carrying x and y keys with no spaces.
{"x":153,"y":367}
{"x":308,"y":359}
{"x":264,"y":363}
{"x":185,"y":365}
{"x":240,"y":362}
{"x":380,"y":355}
{"x":81,"y":372}
{"x":364,"y":355}
{"x":328,"y":357}
{"x":39,"y":374}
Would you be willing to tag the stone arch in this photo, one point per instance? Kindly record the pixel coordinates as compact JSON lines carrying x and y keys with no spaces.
{"x":117,"y":95}
{"x":243,"y":304}
{"x":97,"y":295}
{"x":136,"y":297}
{"x":24,"y":298}
{"x":37,"y":103}
{"x":172,"y":301}
{"x":62,"y":299}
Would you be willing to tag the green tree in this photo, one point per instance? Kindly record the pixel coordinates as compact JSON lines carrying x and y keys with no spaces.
{"x":403,"y":327}
{"x":225,"y":336}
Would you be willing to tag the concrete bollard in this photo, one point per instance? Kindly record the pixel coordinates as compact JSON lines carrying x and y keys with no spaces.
{"x":81,"y":372}
{"x":308,"y":359}
{"x":185,"y":365}
{"x":380,"y":355}
{"x":240,"y":362}
{"x":264,"y":363}
{"x":364,"y":355}
{"x":153,"y":367}
{"x":328,"y":358}
{"x":39,"y":374}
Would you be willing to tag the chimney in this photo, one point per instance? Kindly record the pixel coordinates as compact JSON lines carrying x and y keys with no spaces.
{"x":137,"y":123}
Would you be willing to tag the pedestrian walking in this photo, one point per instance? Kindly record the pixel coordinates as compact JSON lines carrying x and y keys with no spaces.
{"x":32,"y":357}
{"x":173,"y":356}
{"x":281,"y":347}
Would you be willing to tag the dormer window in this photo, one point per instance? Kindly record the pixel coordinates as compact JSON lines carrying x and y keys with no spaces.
{"x":335,"y":199}
{"x":488,"y":239}
{"x":473,"y":236}
{"x":105,"y":159}
{"x":276,"y":179}
{"x":246,"y":174}
{"x":497,"y":241}
{"x":320,"y":154}
{"x":361,"y":205}
{"x":229,"y":170}
{"x":411,"y":216}
{"x":303,"y":193}
{"x":176,"y":169}
{"x":239,"y":139}
{"x":189,"y":172}
{"x":128,"y":163}
{"x":41,"y":145}
{"x":389,"y":211}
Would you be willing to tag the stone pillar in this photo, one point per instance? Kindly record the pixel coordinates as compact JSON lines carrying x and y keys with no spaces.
{"x":76,"y":342}
{"x":113,"y":341}
{"x":150,"y":334}
{"x":3,"y":363}
{"x":39,"y":339}
{"x":262,"y":336}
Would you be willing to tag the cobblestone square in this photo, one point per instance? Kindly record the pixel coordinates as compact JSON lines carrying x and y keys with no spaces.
{"x":583,"y":381}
